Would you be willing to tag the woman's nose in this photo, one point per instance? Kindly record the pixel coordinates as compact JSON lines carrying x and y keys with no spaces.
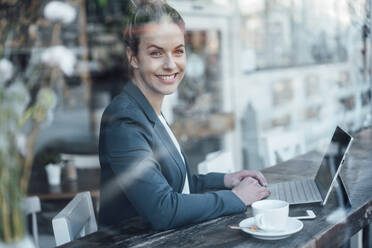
{"x":169,"y":62}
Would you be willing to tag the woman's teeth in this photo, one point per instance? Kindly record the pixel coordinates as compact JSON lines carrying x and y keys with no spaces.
{"x":165,"y":77}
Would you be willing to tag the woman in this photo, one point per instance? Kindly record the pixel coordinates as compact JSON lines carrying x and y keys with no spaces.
{"x":144,"y":171}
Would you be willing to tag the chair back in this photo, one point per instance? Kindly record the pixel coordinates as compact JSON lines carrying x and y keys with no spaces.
{"x":220,"y":161}
{"x":76,"y":220}
{"x":284,"y":146}
{"x":31,"y":205}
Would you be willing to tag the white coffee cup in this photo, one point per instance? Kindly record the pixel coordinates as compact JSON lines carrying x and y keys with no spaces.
{"x":271,"y":215}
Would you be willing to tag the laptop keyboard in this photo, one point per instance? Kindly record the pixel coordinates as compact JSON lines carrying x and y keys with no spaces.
{"x":295,"y":192}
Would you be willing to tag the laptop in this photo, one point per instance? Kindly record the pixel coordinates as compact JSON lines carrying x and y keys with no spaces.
{"x":319,"y":188}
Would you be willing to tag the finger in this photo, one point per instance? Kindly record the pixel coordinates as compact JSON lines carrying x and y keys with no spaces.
{"x":260,"y":177}
{"x":264,"y":189}
{"x":249,"y":179}
{"x":252,"y":180}
{"x":257,"y":183}
{"x":263,"y":194}
{"x":243,"y":174}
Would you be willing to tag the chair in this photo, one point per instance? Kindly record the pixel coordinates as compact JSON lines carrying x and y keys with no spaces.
{"x":76,"y":220}
{"x":31,"y":205}
{"x":284,"y":146}
{"x":220,"y":161}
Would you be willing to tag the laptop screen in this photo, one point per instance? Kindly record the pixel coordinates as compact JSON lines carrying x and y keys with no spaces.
{"x":332,"y":160}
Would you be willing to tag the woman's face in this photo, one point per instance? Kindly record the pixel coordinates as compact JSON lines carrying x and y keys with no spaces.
{"x":161,"y":60}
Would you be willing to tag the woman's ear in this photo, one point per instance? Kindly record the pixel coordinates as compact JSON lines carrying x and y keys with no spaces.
{"x":132,"y":59}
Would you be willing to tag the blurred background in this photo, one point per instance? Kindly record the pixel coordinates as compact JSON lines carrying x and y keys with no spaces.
{"x":266,"y":80}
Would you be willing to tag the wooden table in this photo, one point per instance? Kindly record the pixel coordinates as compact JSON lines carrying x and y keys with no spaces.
{"x":87,"y":180}
{"x":324,"y":231}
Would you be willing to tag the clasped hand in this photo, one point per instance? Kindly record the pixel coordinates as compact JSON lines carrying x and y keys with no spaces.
{"x":248,"y":186}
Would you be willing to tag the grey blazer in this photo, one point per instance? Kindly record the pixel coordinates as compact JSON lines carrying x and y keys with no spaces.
{"x":142,"y":173}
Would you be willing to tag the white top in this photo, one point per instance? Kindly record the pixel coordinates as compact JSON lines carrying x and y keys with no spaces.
{"x":186,"y":187}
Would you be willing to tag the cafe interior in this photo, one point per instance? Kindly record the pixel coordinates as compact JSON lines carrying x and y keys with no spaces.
{"x":267,"y":82}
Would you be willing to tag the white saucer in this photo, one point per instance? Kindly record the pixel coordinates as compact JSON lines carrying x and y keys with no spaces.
{"x":293,"y":226}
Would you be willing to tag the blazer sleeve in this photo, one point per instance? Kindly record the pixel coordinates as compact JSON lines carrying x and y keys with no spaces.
{"x":208,"y":181}
{"x":140,"y":177}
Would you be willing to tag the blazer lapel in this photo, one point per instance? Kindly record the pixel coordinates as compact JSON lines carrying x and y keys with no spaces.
{"x":144,"y":104}
{"x":188,"y":174}
{"x":168,"y":143}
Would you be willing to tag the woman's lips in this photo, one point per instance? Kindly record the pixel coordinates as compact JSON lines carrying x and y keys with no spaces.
{"x":169,"y":78}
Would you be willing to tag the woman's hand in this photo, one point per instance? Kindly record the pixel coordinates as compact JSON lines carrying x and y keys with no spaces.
{"x":249,"y":190}
{"x":231,"y":180}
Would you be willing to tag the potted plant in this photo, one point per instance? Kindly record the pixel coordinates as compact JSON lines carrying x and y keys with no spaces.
{"x":27,"y":101}
{"x":52,"y":162}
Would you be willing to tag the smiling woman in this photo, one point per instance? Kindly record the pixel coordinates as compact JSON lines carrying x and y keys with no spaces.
{"x":144,"y":171}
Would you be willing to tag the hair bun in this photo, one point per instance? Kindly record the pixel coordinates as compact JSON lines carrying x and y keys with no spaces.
{"x":138,"y":3}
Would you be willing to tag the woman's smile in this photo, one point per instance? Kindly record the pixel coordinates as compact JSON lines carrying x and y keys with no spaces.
{"x":167,"y":78}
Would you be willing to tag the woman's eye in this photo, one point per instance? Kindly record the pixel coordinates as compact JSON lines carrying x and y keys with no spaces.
{"x":179,"y":52}
{"x":155,"y":54}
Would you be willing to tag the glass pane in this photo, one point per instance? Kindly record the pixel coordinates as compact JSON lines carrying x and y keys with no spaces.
{"x":199,"y":92}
